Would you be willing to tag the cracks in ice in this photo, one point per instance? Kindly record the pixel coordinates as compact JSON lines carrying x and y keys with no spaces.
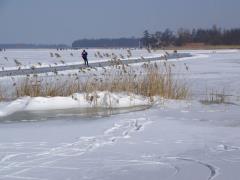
{"x":171,"y":161}
{"x":213,"y":170}
{"x":14,"y":164}
{"x":121,"y":130}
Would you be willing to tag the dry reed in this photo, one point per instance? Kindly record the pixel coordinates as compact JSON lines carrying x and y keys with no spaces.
{"x":149,"y":80}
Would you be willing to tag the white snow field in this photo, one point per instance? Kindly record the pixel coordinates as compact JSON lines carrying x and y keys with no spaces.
{"x":67,"y":139}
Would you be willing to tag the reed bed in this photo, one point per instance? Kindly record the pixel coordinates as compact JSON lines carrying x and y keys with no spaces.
{"x":151,"y":79}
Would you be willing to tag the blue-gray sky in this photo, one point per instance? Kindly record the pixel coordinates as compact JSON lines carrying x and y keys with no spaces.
{"x":62,"y":21}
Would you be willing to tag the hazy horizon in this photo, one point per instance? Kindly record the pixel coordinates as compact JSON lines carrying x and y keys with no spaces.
{"x":63,"y":21}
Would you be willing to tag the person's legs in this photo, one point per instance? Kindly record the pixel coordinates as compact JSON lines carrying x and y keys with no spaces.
{"x":86,"y":61}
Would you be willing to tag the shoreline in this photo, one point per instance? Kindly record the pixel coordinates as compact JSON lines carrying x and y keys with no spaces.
{"x":203,"y":47}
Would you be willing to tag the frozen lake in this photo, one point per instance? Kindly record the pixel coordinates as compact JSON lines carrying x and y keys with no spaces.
{"x":172,"y":140}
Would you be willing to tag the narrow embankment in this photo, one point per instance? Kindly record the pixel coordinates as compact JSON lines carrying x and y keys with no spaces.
{"x":39,"y":70}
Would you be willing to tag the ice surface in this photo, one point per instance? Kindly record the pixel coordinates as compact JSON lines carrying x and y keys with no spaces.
{"x":173,"y":140}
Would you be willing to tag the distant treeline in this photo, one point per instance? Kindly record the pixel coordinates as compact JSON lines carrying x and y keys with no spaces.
{"x":212,"y":36}
{"x":181,"y":37}
{"x":106,"y":43}
{"x":33,"y":46}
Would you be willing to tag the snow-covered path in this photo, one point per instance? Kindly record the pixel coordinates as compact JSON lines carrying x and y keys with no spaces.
{"x":75,"y":66}
{"x":173,"y":140}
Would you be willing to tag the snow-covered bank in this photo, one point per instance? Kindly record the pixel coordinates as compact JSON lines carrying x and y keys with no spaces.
{"x":23,"y":62}
{"x":98,"y":99}
{"x":46,"y":57}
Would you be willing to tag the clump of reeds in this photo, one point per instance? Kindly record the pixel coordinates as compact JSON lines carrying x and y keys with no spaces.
{"x":2,"y":97}
{"x":214,"y":97}
{"x":150,"y":80}
{"x":40,"y":87}
{"x":57,"y":55}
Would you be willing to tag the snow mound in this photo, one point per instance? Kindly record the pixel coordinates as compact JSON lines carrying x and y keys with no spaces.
{"x":77,"y":100}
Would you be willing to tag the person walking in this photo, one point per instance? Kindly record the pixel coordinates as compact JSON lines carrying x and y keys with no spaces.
{"x":85,"y":58}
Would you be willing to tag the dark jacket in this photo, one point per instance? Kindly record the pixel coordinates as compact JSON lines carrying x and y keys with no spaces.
{"x":84,"y":55}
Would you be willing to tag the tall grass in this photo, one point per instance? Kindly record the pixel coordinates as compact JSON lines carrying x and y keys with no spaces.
{"x":151,"y":79}
{"x":215,"y":97}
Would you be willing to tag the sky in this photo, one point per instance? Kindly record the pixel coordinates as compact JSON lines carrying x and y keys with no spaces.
{"x":63,"y":21}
